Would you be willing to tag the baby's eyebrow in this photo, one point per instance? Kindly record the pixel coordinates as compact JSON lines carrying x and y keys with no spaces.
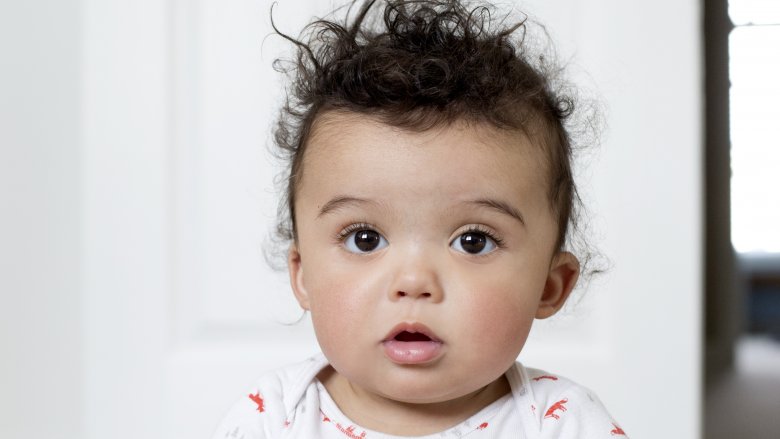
{"x":499,"y":206}
{"x":341,"y":201}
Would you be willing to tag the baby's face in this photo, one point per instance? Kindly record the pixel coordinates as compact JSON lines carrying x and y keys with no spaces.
{"x":424,"y":257}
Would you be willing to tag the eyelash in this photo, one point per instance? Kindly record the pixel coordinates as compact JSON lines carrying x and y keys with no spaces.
{"x":476,"y":228}
{"x":346,"y":231}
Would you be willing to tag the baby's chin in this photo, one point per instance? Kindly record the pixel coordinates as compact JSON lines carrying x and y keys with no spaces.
{"x":436,"y":392}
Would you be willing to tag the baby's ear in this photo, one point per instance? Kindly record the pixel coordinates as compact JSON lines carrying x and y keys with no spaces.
{"x":295,"y":267}
{"x":563,"y":274}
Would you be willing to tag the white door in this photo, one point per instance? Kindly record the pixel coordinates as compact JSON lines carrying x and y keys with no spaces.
{"x":181,"y":311}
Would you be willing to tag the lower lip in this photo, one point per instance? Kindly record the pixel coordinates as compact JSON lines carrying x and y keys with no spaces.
{"x":412,"y":352}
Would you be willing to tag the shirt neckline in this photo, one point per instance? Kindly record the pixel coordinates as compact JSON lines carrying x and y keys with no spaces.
{"x":331,"y":414}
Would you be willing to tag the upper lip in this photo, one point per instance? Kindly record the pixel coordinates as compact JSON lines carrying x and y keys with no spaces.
{"x":414,"y":327}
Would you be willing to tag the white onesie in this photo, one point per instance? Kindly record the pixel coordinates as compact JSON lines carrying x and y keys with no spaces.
{"x":292,"y":403}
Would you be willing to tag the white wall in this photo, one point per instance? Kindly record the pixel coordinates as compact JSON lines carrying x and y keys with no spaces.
{"x":40,"y":220}
{"x":126,"y":172}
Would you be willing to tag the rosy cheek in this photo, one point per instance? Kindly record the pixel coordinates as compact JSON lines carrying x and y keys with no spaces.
{"x":341,"y":296}
{"x":499,"y":312}
{"x":504,"y":322}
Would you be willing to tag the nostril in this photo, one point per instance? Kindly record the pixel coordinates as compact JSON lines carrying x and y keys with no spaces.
{"x":404,"y":294}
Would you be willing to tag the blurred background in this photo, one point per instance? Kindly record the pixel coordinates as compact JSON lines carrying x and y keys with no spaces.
{"x":137,"y":191}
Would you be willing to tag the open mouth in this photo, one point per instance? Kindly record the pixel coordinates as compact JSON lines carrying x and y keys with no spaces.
{"x":411,"y":336}
{"x":412,"y":343}
{"x":412,"y":332}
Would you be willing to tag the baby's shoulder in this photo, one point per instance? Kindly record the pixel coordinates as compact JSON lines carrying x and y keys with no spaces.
{"x":564,"y":408}
{"x":546,"y":384}
{"x":265,"y":408}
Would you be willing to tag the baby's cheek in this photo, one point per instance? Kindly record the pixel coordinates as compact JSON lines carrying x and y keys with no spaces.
{"x":334,"y":317}
{"x":508,"y":325}
{"x":341,"y":301}
{"x":501,"y":322}
{"x":331,"y":310}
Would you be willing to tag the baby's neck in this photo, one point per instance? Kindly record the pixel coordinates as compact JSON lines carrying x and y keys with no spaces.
{"x":376,"y":412}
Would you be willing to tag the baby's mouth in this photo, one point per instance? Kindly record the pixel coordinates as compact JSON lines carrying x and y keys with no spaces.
{"x":412,"y":343}
{"x":411,"y":332}
{"x":407,"y":336}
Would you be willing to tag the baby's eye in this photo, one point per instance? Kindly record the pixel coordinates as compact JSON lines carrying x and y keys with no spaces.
{"x":475,"y":243}
{"x":364,"y":241}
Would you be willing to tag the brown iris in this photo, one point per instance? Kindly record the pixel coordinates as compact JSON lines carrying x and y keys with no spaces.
{"x":473,"y":242}
{"x":367,"y":240}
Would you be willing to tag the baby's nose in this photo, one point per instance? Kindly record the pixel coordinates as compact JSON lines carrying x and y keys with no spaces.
{"x":417,"y":278}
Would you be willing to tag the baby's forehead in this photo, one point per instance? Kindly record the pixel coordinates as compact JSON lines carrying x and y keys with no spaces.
{"x":330,"y":127}
{"x":350,"y":150}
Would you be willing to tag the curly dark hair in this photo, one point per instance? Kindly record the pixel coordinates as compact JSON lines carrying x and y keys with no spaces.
{"x":421,"y":64}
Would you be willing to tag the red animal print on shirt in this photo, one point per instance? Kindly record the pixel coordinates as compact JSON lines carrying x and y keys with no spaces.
{"x":546,"y":377}
{"x":258,"y":400}
{"x":350,"y":432}
{"x":557,"y":406}
{"x":617,"y":431}
{"x":483,"y":426}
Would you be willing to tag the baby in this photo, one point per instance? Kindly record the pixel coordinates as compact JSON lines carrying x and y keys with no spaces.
{"x":428,"y":200}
